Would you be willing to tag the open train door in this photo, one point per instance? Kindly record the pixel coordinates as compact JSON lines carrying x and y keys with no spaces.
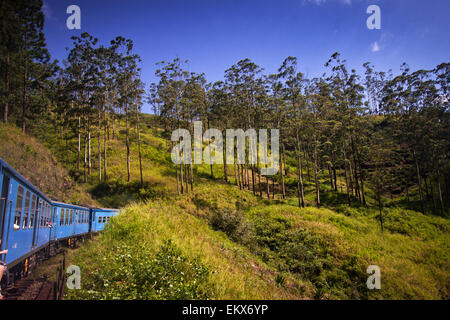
{"x":3,"y":212}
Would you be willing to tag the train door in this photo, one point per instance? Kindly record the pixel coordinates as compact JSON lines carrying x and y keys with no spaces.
{"x":53,"y":224}
{"x":37,"y":221}
{"x":3,"y":211}
{"x":75,"y":220}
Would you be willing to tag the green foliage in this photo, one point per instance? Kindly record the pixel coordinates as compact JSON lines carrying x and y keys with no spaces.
{"x":132,"y":272}
{"x":232,"y":223}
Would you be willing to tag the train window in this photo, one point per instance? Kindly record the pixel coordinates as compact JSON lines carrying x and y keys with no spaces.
{"x":104,"y":219}
{"x":26,"y":211}
{"x":54,"y":216}
{"x":49,"y":215}
{"x":61,"y":216}
{"x":71,"y":216}
{"x":33,"y":210}
{"x":46,"y":215}
{"x":19,"y":204}
{"x":99,"y":219}
{"x":109,"y":218}
{"x":41,"y":213}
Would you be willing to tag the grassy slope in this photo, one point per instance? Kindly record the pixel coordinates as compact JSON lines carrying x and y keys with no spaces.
{"x":36,"y":162}
{"x":248,"y":248}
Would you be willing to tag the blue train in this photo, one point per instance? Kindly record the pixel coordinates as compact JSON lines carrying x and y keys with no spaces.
{"x":33,"y":227}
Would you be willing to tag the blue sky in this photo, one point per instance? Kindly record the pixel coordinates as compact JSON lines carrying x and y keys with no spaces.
{"x":215,"y":34}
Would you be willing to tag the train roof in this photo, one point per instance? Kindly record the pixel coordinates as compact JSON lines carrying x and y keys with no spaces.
{"x":22,"y":179}
{"x":63,"y":204}
{"x":105,"y":209}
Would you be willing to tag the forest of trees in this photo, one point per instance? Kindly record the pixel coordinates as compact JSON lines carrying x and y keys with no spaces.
{"x":386,"y":132}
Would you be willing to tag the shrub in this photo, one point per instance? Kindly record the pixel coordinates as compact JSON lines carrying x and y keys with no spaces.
{"x":232,"y":223}
{"x":131,"y":273}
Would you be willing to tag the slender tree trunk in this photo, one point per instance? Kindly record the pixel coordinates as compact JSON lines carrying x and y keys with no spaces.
{"x":346,"y":175}
{"x":89,"y":149}
{"x":331,"y":177}
{"x":438,"y":181}
{"x":182,"y":178}
{"x":316,"y":174}
{"x":79,"y":142}
{"x":99,"y":146}
{"x":113,"y":127}
{"x":301,"y":196}
{"x":127,"y":141}
{"x":418,"y":181}
{"x":178,"y":180}
{"x":259,"y":184}
{"x":139,"y":147}
{"x":273,"y":188}
{"x":235,"y":173}
{"x":24,"y":105}
{"x":186,"y":172}
{"x":5,"y":111}
{"x":104,"y":149}
{"x":307,"y":165}
{"x":283,"y":187}
{"x":381,"y":214}
{"x":225,"y":173}
{"x":85,"y":153}
{"x":253,"y":180}
{"x":335,"y":178}
{"x":192,"y":177}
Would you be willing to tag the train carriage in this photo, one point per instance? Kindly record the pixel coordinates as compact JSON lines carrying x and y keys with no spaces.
{"x":32,"y":226}
{"x":70,"y":220}
{"x":101,"y":217}
{"x":25,"y":215}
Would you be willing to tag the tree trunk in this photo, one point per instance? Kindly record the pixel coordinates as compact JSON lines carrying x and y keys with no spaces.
{"x":381,"y":214}
{"x":181,"y":178}
{"x":139,"y":147}
{"x":79,"y":143}
{"x":127,"y":142}
{"x":89,"y":149}
{"x":5,"y":111}
{"x":418,"y":180}
{"x":104,"y":149}
{"x":186,"y":173}
{"x":24,"y":105}
{"x":316,"y":175}
{"x":85,"y":153}
{"x":301,"y":196}
{"x":99,"y":146}
{"x":283,"y":187}
{"x":438,"y":180}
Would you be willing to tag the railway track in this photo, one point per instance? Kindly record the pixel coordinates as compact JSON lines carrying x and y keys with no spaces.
{"x":30,"y":289}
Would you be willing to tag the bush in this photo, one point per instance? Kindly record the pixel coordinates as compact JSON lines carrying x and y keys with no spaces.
{"x":130,"y":273}
{"x":232,"y":223}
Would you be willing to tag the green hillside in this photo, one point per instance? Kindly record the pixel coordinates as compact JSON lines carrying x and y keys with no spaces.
{"x":33,"y":160}
{"x":220,"y":242}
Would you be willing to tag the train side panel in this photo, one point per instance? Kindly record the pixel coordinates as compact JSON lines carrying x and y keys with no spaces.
{"x":70,"y":220}
{"x":25,"y":217}
{"x":101,"y":217}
